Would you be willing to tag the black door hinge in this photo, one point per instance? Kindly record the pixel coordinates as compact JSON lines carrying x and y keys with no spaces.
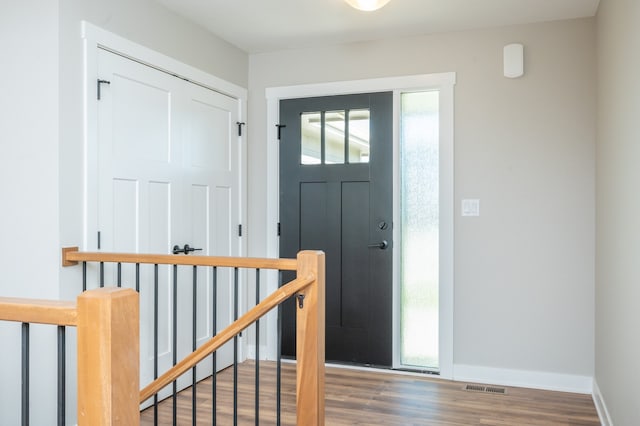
{"x":240,"y":230}
{"x":240,"y":124}
{"x":98,"y":240}
{"x":279,"y":229}
{"x":100,"y":82}
{"x":280,"y":126}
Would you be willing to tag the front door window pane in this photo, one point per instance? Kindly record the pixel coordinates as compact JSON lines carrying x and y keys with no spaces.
{"x":359,"y":136}
{"x":334,"y":128}
{"x":311,"y":138}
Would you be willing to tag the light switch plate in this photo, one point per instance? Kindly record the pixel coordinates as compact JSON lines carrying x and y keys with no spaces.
{"x":471,"y":207}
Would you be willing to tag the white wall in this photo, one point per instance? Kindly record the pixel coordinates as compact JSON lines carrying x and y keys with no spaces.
{"x":29,"y":135}
{"x":524,"y":270}
{"x":618,"y":210}
{"x":28,"y":187}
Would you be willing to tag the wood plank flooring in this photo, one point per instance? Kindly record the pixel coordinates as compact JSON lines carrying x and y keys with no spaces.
{"x":356,"y":397}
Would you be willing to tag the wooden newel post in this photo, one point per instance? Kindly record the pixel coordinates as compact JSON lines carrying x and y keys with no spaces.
{"x":108,"y":357}
{"x":310,"y":341}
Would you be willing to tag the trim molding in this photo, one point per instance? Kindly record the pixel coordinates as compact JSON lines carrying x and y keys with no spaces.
{"x":524,"y":378}
{"x":97,"y":37}
{"x":601,"y":407}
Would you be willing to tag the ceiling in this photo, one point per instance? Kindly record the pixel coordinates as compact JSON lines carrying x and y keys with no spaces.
{"x":268,"y":25}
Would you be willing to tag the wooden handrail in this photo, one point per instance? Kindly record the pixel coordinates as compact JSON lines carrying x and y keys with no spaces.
{"x":54,"y":312}
{"x":71,"y":256}
{"x":270,"y":302}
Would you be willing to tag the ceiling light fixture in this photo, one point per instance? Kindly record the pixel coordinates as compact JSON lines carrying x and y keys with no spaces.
{"x":367,"y":5}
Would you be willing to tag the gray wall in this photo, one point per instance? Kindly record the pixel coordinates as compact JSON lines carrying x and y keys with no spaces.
{"x":618,"y":210}
{"x":524,"y":276}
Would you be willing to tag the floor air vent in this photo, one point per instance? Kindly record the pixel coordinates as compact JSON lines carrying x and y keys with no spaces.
{"x":486,"y":389}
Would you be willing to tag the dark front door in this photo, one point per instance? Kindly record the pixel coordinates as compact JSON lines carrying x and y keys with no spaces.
{"x":336,"y":196}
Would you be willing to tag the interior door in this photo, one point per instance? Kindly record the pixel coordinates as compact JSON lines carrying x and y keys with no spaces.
{"x":336,"y":196}
{"x":211,"y":194}
{"x":168,"y":174}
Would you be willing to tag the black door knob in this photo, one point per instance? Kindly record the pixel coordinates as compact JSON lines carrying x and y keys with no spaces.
{"x":382,"y":245}
{"x":186,"y":249}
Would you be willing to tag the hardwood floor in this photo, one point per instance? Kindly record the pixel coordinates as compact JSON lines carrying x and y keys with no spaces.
{"x":356,"y":397}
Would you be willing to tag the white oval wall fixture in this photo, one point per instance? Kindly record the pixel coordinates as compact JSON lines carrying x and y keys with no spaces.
{"x":513,"y":60}
{"x":367,"y":5}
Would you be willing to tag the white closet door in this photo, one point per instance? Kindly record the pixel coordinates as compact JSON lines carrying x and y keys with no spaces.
{"x":168,"y":174}
{"x":211,"y":202}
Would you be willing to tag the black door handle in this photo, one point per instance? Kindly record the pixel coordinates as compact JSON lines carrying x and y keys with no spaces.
{"x":382,"y":245}
{"x":185,"y":250}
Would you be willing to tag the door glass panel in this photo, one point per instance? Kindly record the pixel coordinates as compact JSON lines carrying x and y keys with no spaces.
{"x":311,"y":138}
{"x":419,"y":195}
{"x":334,"y":127}
{"x":359,"y":136}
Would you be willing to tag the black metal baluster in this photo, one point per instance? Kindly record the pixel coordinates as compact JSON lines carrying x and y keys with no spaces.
{"x":119,"y":274}
{"x":84,"y":276}
{"x":279,"y":358}
{"x":235,"y":348}
{"x":214,"y":381}
{"x":138,"y":277}
{"x":194,"y":334}
{"x":155,"y":340}
{"x":25,"y":374}
{"x":175,"y":342}
{"x":257,"y":402}
{"x":61,"y":375}
{"x":101,"y":274}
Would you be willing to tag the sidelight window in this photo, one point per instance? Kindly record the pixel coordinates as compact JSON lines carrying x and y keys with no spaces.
{"x":420,"y":224}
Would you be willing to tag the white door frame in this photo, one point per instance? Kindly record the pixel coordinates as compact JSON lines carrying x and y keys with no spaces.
{"x":444,"y":82}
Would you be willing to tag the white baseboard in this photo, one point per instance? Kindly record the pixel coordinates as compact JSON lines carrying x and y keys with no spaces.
{"x":251,"y":352}
{"x":523,"y":378}
{"x":601,"y":407}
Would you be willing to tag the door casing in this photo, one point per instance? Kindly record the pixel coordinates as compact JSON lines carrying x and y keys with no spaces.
{"x":444,"y":82}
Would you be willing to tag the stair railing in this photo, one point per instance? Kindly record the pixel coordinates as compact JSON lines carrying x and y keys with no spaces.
{"x":308,"y":288}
